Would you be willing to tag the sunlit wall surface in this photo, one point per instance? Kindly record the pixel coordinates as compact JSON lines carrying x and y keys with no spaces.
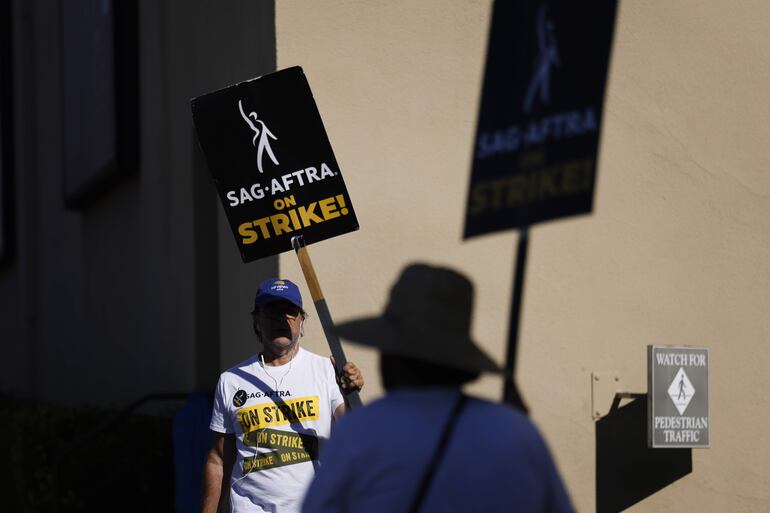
{"x":676,"y":251}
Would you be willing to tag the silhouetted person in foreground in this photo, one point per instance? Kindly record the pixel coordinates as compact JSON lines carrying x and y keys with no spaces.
{"x":426,"y":446}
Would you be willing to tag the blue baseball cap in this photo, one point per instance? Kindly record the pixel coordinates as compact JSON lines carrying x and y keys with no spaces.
{"x":276,"y":289}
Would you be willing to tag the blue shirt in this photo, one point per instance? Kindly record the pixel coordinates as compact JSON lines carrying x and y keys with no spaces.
{"x":495,"y":461}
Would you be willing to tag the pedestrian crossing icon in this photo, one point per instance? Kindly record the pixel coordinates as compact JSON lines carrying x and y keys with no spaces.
{"x":681,"y":391}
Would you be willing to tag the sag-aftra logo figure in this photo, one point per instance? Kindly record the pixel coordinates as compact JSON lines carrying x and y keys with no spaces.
{"x":548,"y":56}
{"x":262,"y":136}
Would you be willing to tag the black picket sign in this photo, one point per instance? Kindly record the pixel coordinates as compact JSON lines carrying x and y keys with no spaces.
{"x":272,"y":163}
{"x":541,"y":110}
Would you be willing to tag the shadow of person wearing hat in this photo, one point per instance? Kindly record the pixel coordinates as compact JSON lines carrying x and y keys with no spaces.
{"x":426,"y":446}
{"x":272,"y":412}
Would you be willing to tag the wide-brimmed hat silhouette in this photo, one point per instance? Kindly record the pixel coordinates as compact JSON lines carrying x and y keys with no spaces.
{"x":428,"y":318}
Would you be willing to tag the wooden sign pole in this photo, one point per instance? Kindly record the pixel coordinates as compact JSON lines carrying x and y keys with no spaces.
{"x":298,"y":243}
{"x":510,"y":391}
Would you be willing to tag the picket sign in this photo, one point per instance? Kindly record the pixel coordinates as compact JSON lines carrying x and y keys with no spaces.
{"x":276,"y":174}
{"x":537,"y":135}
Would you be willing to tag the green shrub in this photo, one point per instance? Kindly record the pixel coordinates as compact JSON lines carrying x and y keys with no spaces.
{"x":127,"y":467}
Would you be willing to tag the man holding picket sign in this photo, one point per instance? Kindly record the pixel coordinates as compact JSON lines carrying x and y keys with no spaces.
{"x":271,"y":411}
{"x":281,"y":188}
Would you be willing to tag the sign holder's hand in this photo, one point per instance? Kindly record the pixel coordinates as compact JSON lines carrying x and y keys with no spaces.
{"x":351,"y":377}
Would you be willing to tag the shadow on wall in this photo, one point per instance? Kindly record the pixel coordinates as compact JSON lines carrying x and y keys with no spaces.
{"x":627,"y":471}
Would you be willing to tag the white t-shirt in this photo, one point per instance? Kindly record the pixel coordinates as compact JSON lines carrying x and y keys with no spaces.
{"x":278,"y":415}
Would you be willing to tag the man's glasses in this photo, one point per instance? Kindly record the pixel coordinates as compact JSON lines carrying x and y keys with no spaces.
{"x":282,"y":309}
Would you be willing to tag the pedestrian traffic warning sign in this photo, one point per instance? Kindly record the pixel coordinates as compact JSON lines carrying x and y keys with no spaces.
{"x":677,"y":392}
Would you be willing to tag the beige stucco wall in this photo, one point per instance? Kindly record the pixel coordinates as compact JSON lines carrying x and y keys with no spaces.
{"x":677,"y":250}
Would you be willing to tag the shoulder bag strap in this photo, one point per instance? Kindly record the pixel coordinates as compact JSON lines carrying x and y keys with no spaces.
{"x":438,"y":453}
